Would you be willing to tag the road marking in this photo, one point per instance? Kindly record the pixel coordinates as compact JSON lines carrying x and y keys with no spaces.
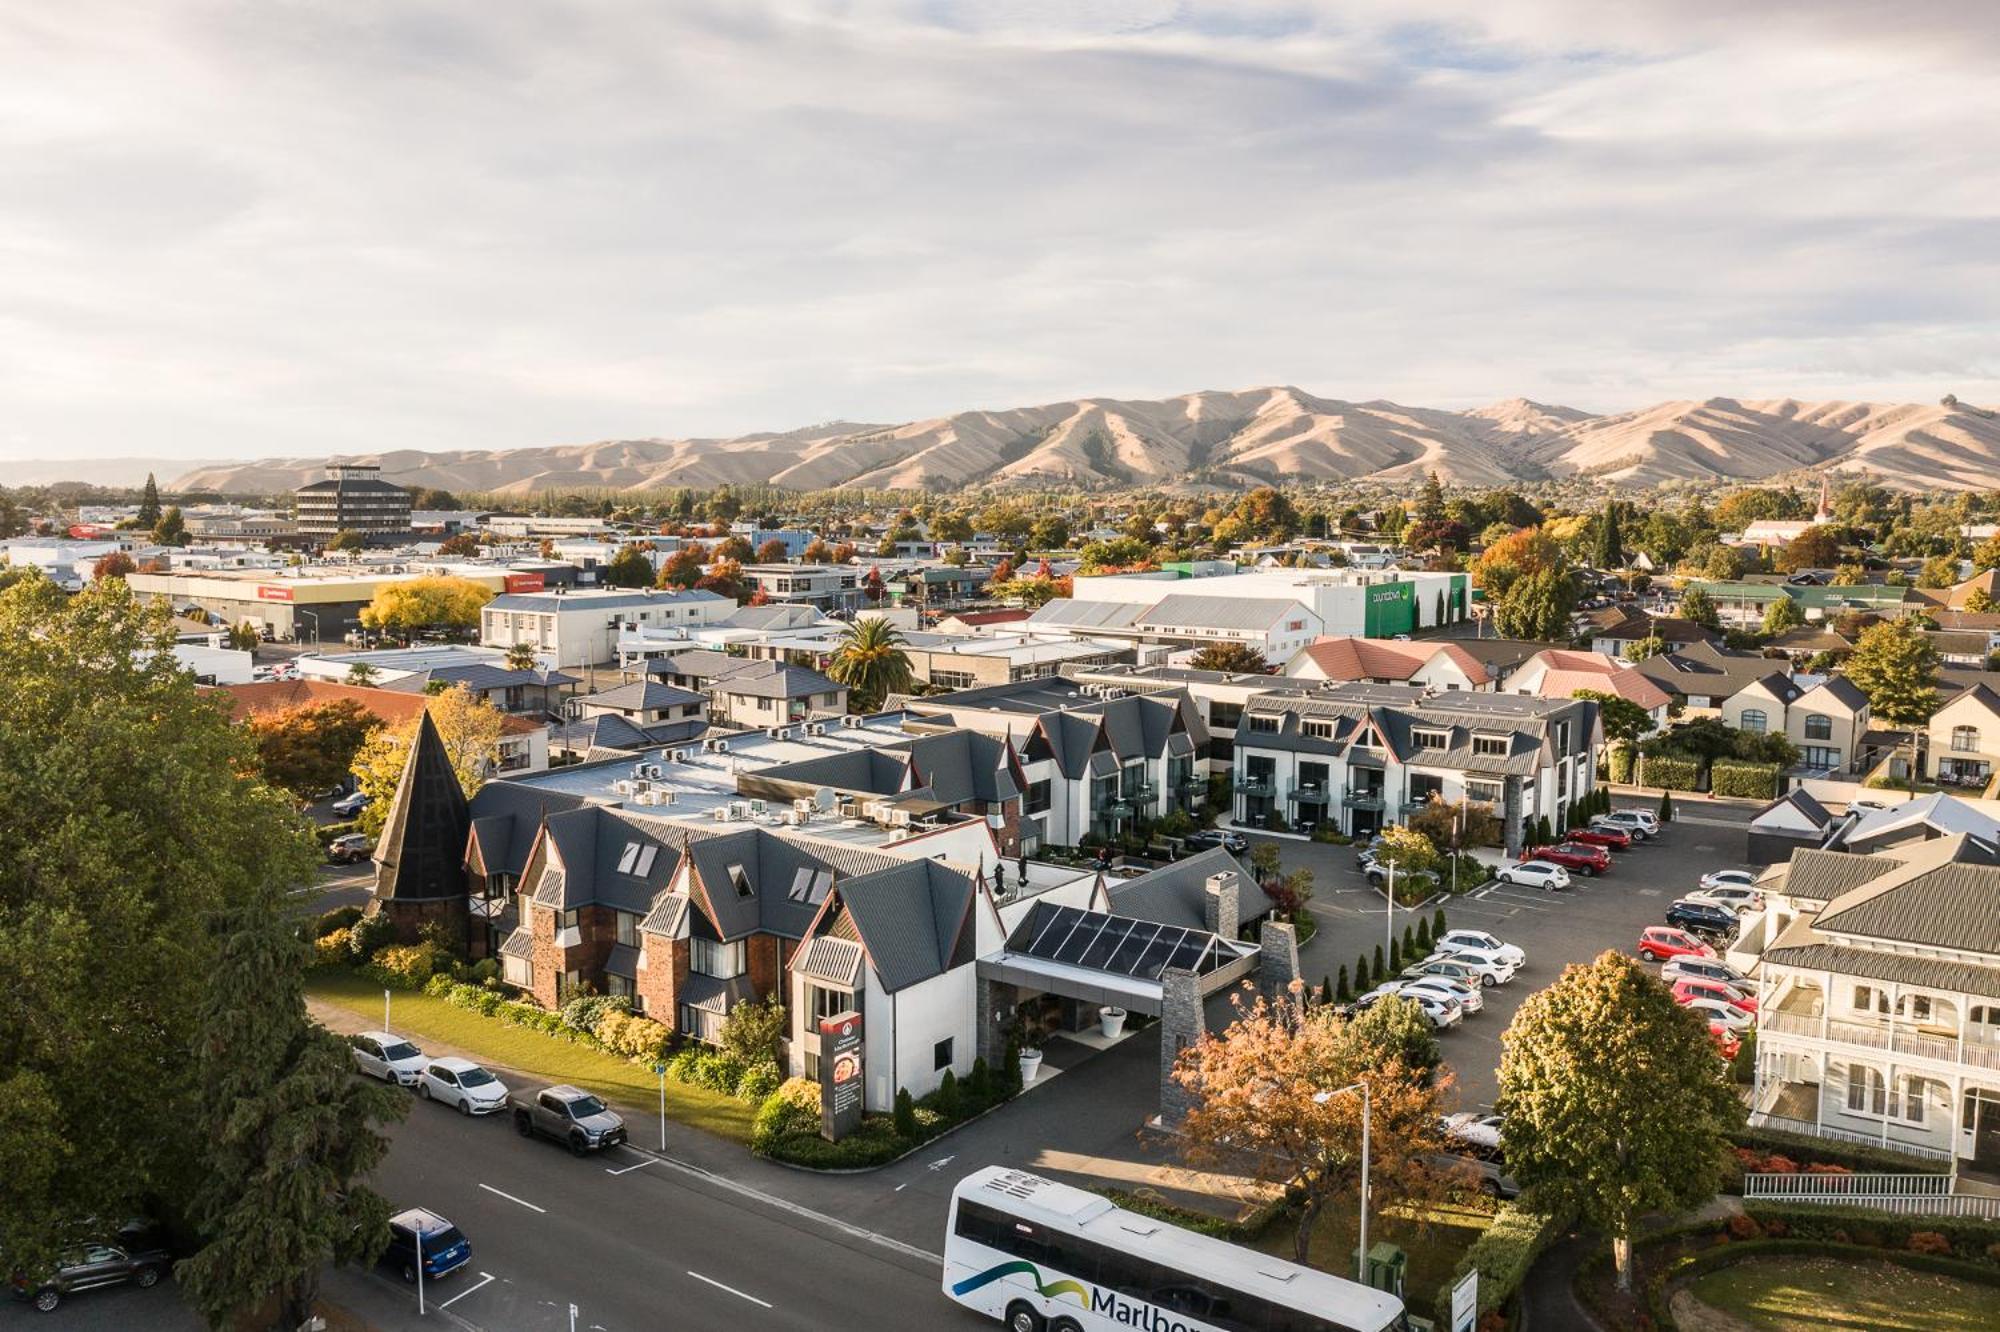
{"x":484,"y":1277}
{"x":626,"y":1170}
{"x":512,"y":1199}
{"x":942,"y":1162}
{"x":799,"y":1209}
{"x":731,"y":1289}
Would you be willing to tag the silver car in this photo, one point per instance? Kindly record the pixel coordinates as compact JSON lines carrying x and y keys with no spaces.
{"x":1466,"y":996}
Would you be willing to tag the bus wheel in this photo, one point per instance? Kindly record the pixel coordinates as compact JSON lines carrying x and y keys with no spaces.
{"x":1021,"y":1317}
{"x":1065,"y":1325}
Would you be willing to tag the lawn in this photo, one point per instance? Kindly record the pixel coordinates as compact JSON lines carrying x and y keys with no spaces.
{"x":544,"y":1057}
{"x":1800,"y":1293}
{"x":1433,"y":1248}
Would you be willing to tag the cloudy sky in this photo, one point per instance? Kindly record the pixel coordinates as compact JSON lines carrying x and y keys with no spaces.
{"x":308,"y":226}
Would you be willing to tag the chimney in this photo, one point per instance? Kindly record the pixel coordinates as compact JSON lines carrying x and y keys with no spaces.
{"x":1222,"y":906}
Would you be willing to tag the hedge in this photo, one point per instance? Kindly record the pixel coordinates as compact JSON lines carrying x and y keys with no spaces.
{"x":1670,"y":772}
{"x":1808,"y":1150}
{"x":1621,"y":763}
{"x":1503,"y":1255}
{"x":1758,"y":781}
{"x":1691,"y":1265}
{"x":1973,"y":1239}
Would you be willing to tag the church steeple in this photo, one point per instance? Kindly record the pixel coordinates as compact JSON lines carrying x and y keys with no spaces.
{"x":422,"y":849}
{"x":1825,"y":514}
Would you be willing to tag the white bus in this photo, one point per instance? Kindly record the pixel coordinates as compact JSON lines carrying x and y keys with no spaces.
{"x":1046,"y":1257}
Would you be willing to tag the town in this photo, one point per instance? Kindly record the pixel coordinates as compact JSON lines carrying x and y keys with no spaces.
{"x":1307,"y":907}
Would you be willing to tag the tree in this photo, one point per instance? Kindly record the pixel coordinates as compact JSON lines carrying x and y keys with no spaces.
{"x":1409,"y":850}
{"x":951,"y":527}
{"x":752,"y":1030}
{"x":1003,"y":573}
{"x":1697,"y":607}
{"x":115,"y":565}
{"x":1537,"y":606}
{"x":1616,"y":1102}
{"x":436,"y":601}
{"x":1117,"y":553}
{"x":361,"y":674}
{"x":1396,"y":1030}
{"x":1815,"y":548}
{"x":1939,"y":572}
{"x":772,"y":552}
{"x":291,"y":1134}
{"x":1267,"y":513}
{"x":134,"y":815}
{"x":1896,"y":667}
{"x":171,"y":530}
{"x":1623,"y":719}
{"x":816,"y":552}
{"x":1049,"y":532}
{"x":871,"y":662}
{"x":433,"y":498}
{"x":1610,"y":550}
{"x":521,"y":657}
{"x":1430,"y":500}
{"x":1269,"y":1098}
{"x":149,"y":504}
{"x":1235,"y":658}
{"x":629,"y":568}
{"x":460,"y":544}
{"x":309,"y":748}
{"x":683,"y":568}
{"x":1448,"y":827}
{"x":1652,"y":645}
{"x":1979,"y":601}
{"x":470,"y":728}
{"x":873,"y":587}
{"x":724,"y":578}
{"x":1782,"y":616}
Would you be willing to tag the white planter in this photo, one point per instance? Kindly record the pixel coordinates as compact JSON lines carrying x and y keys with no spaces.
{"x":1110,"y":1021}
{"x":1031,"y":1064}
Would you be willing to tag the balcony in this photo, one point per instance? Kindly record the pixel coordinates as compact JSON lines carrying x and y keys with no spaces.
{"x":1363,"y":799}
{"x":1310,"y":795}
{"x":1257,"y":786}
{"x":1194,"y":785}
{"x":1141,"y":791}
{"x":1899,"y":1039}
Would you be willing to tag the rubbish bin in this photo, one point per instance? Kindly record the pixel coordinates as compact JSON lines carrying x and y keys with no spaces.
{"x":1385,"y":1268}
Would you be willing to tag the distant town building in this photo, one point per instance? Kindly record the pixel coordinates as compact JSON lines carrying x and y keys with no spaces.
{"x":354,"y":498}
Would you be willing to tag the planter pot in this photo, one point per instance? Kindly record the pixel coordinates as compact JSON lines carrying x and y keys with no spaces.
{"x":1031,"y":1064}
{"x":1110,"y":1021}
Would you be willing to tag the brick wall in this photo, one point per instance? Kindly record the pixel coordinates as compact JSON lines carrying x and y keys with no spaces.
{"x":545,"y":956}
{"x":663,"y":977}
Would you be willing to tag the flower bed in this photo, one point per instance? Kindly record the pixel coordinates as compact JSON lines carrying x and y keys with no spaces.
{"x":787,"y":1127}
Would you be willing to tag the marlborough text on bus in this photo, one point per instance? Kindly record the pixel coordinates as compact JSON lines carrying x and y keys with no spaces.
{"x":1144,"y":1316}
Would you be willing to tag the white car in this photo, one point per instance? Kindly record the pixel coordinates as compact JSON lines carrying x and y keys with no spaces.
{"x":390,"y":1058}
{"x":1476,"y":1129}
{"x":1467,"y":996}
{"x":1452,"y":941}
{"x":1543,"y":874}
{"x":1737,"y":899}
{"x":1491,"y":968}
{"x":1729,"y":1015}
{"x":1728,"y":879}
{"x":1640,"y":823}
{"x":1441,"y":1011}
{"x":1446,"y":966}
{"x":463,"y":1085}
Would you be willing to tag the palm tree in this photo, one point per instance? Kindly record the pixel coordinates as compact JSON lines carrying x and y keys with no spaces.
{"x":361,"y":673}
{"x":870,"y":662}
{"x":521,"y":657}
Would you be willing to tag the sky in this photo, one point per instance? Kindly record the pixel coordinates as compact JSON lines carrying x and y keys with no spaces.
{"x":303,"y":227}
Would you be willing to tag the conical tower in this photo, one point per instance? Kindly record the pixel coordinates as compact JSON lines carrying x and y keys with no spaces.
{"x":421,"y":854}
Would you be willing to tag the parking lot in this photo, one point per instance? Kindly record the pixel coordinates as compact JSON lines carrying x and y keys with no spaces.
{"x":1554,"y":929}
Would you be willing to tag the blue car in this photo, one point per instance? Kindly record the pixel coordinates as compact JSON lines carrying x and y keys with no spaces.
{"x":445,"y":1249}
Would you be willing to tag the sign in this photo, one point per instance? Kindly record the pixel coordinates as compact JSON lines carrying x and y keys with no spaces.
{"x":266,"y":592}
{"x":522,"y":582}
{"x":1465,"y":1302}
{"x":839,"y":1075}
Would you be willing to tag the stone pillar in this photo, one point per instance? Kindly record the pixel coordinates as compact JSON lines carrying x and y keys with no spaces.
{"x":1277,"y":960}
{"x":1222,"y":904}
{"x":1511,"y":815}
{"x":991,"y":1005}
{"x":1181,"y":1025}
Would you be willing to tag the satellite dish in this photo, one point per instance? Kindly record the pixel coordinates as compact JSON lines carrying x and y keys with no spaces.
{"x":824,"y":799}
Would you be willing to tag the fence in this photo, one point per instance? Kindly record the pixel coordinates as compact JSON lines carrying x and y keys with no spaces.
{"x":1927,"y":1195}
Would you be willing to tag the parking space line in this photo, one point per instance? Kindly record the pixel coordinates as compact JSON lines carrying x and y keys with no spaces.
{"x":626,"y":1170}
{"x":512,"y":1199}
{"x":484,"y":1278}
{"x":731,"y":1289}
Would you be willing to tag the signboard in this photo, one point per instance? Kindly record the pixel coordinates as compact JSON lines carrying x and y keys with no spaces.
{"x":1465,"y":1302}
{"x":839,"y":1075}
{"x":266,"y":592}
{"x":523,"y":582}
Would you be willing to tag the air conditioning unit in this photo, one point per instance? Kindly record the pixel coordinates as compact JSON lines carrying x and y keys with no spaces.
{"x":803,"y":805}
{"x":668,"y":797}
{"x":624,"y":786}
{"x":739,"y":809}
{"x":757,"y":807}
{"x":720,"y":814}
{"x":899,"y":818}
{"x":817,"y":728}
{"x":678,"y":755}
{"x":722,"y":746}
{"x":655,"y":770}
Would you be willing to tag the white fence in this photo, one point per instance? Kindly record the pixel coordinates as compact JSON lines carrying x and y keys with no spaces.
{"x":1928,"y":1195}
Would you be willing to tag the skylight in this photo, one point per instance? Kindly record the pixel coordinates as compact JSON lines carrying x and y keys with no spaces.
{"x":628,"y":857}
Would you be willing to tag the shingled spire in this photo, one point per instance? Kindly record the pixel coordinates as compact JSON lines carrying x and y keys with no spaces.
{"x":421,"y":854}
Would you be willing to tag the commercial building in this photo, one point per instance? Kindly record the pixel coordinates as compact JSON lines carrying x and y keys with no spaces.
{"x":827,"y":586}
{"x":310,"y":604}
{"x":353,"y":498}
{"x":1356,"y":602}
{"x":582,"y":628}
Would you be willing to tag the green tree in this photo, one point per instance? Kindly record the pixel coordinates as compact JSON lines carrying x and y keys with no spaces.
{"x":1896,"y":667}
{"x":1537,"y":606}
{"x":1782,"y":616}
{"x":1939,"y":572}
{"x":521,"y":657}
{"x":629,"y":568}
{"x":1236,"y":658}
{"x":346,"y":542}
{"x":1049,"y":532}
{"x":171,"y":530}
{"x":1616,"y":1102}
{"x":1814,"y":548}
{"x":361,"y":674}
{"x":1979,"y":601}
{"x":1641,"y":648}
{"x":1623,"y":719}
{"x":437,"y":601}
{"x":289,"y":1136}
{"x":1396,"y":1029}
{"x":1697,"y":607}
{"x":1430,"y":501}
{"x":871,"y":662}
{"x":1849,"y":575}
{"x":752,"y":1031}
{"x":149,"y":504}
{"x":1610,"y":549}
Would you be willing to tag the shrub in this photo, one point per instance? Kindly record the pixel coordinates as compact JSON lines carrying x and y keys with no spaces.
{"x":483,"y":972}
{"x":1670,"y":772}
{"x":1666,"y":811}
{"x":752,"y":1031}
{"x":333,"y":950}
{"x":368,"y":935}
{"x":758,"y":1082}
{"x":1621,"y":763}
{"x":1927,"y":1241}
{"x":792,"y":1109}
{"x":339,"y":918}
{"x":1503,"y":1254}
{"x":945,"y":1099}
{"x":585,"y":1012}
{"x":402,"y":966}
{"x":979,"y":1082}
{"x":906,"y":1114}
{"x":1971,"y":1238}
{"x":1744,"y":1228}
{"x":1755,"y":780}
{"x":1341,"y":992}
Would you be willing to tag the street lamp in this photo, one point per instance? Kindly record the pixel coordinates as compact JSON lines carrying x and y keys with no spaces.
{"x":314,"y":617}
{"x":1321,"y":1098}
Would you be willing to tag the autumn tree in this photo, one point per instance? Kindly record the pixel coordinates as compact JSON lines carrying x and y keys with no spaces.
{"x":1617,"y":1104}
{"x":1623,"y":719}
{"x":816,"y":552}
{"x":772,"y":551}
{"x":460,"y":545}
{"x":1235,"y":658}
{"x":1783,"y":616}
{"x":1526,"y":577}
{"x":1449,"y":826}
{"x":115,"y":565}
{"x":470,"y":728}
{"x":1002,"y":572}
{"x":873,"y":587}
{"x":1939,"y":572}
{"x":310,"y":748}
{"x":1817,"y":547}
{"x":683,"y":569}
{"x":1270,"y":1097}
{"x":628,"y":568}
{"x":437,"y":601}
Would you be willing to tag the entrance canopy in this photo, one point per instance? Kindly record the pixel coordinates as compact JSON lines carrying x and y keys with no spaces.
{"x":1099,"y":958}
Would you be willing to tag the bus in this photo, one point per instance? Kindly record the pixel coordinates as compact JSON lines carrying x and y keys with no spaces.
{"x":1047,"y":1257}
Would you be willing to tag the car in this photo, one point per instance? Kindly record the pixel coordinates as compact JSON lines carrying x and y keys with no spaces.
{"x":1233,"y":842}
{"x":1695,"y":967}
{"x":1467,"y":996}
{"x":1687,"y":988}
{"x":1441,"y":1011}
{"x":465,"y":1086}
{"x":1865,"y":806}
{"x":348,"y":848}
{"x":1480,"y":941}
{"x":1607,"y":835}
{"x":1661,"y":943}
{"x":1643,"y":822}
{"x":1592,"y":860}
{"x":1728,"y":1015}
{"x":90,"y":1268}
{"x":1727,"y":1042}
{"x":1377,"y":872}
{"x":1490,"y":968}
{"x":1728,"y":879}
{"x":351,"y":804}
{"x":1544,"y":874}
{"x":1445,"y":966}
{"x":443,"y":1246}
{"x":568,"y":1115}
{"x":1469,"y":1126}
{"x":1730,"y":898}
{"x":388,"y":1057}
{"x":1702,"y":918}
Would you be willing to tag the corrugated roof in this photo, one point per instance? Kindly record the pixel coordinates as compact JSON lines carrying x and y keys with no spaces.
{"x":1197,"y":611}
{"x":836,"y":961}
{"x":1897,"y":968}
{"x":1934,"y":899}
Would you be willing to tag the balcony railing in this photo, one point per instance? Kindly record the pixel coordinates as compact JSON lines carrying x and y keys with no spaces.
{"x":1362,"y":799}
{"x":1257,"y":786}
{"x":1899,"y":1039}
{"x":1310,"y":795}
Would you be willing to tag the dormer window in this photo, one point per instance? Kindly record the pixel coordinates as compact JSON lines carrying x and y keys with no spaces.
{"x":1431,"y":739}
{"x":740,"y":881}
{"x":1322,"y":730}
{"x":1489,"y":746}
{"x":1267,"y":722}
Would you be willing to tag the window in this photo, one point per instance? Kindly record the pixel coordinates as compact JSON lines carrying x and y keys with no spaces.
{"x":1322,"y":730}
{"x":720,"y":960}
{"x":826,"y":1003}
{"x":1038,"y":797}
{"x":1753,"y":720}
{"x":1490,"y":746}
{"x":1864,"y":1090}
{"x":628,"y":927}
{"x":617,"y":987}
{"x":1431,"y":739}
{"x":941,"y":1054}
{"x":1871,"y":999}
{"x":740,"y":881}
{"x":1264,"y":721}
{"x":1965,"y":739}
{"x":701,"y":1024}
{"x":1914,"y":1007}
{"x":1480,"y":790}
{"x":952,"y":679}
{"x":1820,"y":756}
{"x":1819,"y":727}
{"x":569,"y":919}
{"x":1225,"y":715}
{"x":637,"y":858}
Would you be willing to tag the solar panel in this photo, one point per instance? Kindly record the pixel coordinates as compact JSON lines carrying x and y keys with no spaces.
{"x":1188,"y":951}
{"x":1080,"y":939}
{"x":1159,"y":954}
{"x":1054,"y":930}
{"x":1107,"y":942}
{"x":1126,"y":960}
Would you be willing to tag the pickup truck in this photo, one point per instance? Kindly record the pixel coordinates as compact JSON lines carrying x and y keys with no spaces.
{"x":568,"y":1115}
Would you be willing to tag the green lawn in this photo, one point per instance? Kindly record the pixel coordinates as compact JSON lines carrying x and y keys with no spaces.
{"x":1794,"y":1294}
{"x":1433,"y":1248}
{"x":545,"y":1057}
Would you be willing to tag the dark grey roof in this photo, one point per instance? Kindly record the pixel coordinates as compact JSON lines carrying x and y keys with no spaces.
{"x":605,"y":731}
{"x":1352,"y":714}
{"x":875,"y":771}
{"x":505,"y":819}
{"x":668,"y":915}
{"x":1845,"y":690}
{"x":623,"y":960}
{"x":1896,"y":968}
{"x":712,"y":995}
{"x":521,"y":943}
{"x":1705,"y":668}
{"x":421,"y":852}
{"x":770,"y":867}
{"x":1953,"y":905}
{"x":914,"y":918}
{"x":830,"y":959}
{"x":1177,"y":894}
{"x":1800,"y":799}
{"x":592,"y":843}
{"x":777,"y":679}
{"x":643,"y":696}
{"x":964,"y":765}
{"x":1821,"y":876}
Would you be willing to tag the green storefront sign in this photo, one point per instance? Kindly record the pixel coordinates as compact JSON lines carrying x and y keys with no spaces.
{"x":1391,"y":609}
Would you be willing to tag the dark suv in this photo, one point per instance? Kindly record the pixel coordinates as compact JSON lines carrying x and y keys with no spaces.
{"x":92,"y":1266}
{"x":1702,"y":918}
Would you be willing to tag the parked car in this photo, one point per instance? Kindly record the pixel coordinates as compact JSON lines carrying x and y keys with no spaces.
{"x":1592,"y":860}
{"x":1473,"y":1128}
{"x":91,"y":1267}
{"x":463,"y":1085}
{"x":1865,"y":806}
{"x":1441,"y":1011}
{"x":1730,"y":898}
{"x":1729,"y":878}
{"x":390,"y":1058}
{"x":1727,"y":1042}
{"x":1444,"y":987}
{"x":1377,"y":873}
{"x":349,"y":848}
{"x":1607,"y":835}
{"x":1233,"y":842}
{"x":1643,"y":822}
{"x":1702,"y":917}
{"x":1661,"y":943}
{"x":351,"y":804}
{"x":1544,"y":874}
{"x":1446,"y":966}
{"x":568,"y":1115}
{"x":1696,"y":967}
{"x":1479,"y":940}
{"x":1687,"y":988}
{"x":443,"y":1247}
{"x":1728,"y":1015}
{"x":1491,"y":968}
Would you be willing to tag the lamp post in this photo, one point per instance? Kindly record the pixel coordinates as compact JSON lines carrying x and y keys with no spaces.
{"x":314,"y":617}
{"x":1321,"y":1098}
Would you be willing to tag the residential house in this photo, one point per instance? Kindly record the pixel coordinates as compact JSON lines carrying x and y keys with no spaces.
{"x":1702,"y":677}
{"x":1965,"y":738}
{"x":830,"y":587}
{"x":524,"y":742}
{"x":1828,"y":722}
{"x":1431,"y":664}
{"x":749,"y":693}
{"x":1613,"y":629}
{"x":1560,"y":673}
{"x":1762,"y":706}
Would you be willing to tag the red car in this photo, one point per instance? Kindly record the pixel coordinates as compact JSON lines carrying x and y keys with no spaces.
{"x":1691,"y":987}
{"x":1604,"y":836}
{"x":1727,"y":1043}
{"x":1657,"y":943}
{"x":1573,"y":856}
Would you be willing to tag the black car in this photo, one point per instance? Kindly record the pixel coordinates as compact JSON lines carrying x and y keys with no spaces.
{"x":1233,"y":842}
{"x":92,"y":1266}
{"x":1702,"y":918}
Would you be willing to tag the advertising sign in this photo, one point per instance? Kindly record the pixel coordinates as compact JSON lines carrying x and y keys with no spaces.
{"x":839,"y":1075}
{"x":523,"y":582}
{"x":1465,"y":1302}
{"x":266,"y":592}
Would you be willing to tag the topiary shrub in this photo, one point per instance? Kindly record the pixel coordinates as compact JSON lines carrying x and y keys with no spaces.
{"x":945,"y":1099}
{"x":402,"y":966}
{"x":369,"y":934}
{"x":905,"y":1117}
{"x":979,"y":1082}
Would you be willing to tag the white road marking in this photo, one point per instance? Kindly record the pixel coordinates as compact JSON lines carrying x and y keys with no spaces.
{"x":626,"y":1170}
{"x":942,"y":1162}
{"x":799,"y":1209}
{"x":512,"y":1199}
{"x":731,"y":1289}
{"x":484,"y":1278}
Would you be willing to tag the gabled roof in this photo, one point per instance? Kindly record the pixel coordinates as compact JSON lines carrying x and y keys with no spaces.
{"x":421,"y":853}
{"x":1570,"y":671}
{"x":1933,"y":815}
{"x":1838,"y":688}
{"x":1349,"y":658}
{"x":769,"y":866}
{"x":643,"y":696}
{"x":1177,"y":894}
{"x":1795,"y":807}
{"x":505,"y":819}
{"x":914,"y":919}
{"x":1815,"y":875}
{"x":1945,"y":895}
{"x":1245,"y":614}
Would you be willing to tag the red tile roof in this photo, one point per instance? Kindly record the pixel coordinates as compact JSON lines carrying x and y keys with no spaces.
{"x":1348,"y":658}
{"x":392,"y":707}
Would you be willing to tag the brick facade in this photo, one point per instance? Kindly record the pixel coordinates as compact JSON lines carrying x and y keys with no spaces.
{"x":663,"y":974}
{"x":545,"y":956}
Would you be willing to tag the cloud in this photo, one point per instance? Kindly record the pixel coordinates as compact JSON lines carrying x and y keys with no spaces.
{"x":298,"y":229}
